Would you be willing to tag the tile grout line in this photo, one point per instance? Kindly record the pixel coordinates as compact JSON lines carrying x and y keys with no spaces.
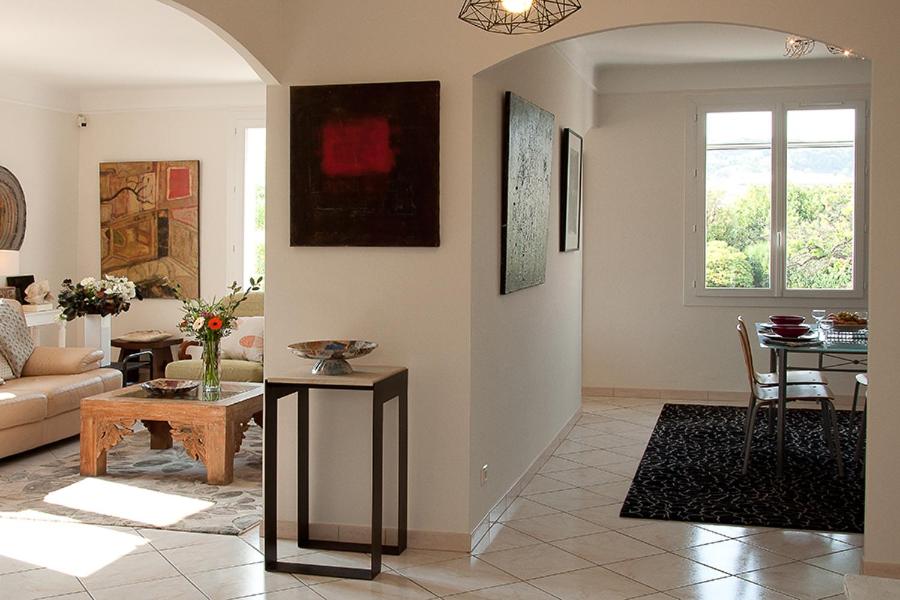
{"x":183,"y":575}
{"x":663,"y":551}
{"x":614,"y":501}
{"x":595,"y":565}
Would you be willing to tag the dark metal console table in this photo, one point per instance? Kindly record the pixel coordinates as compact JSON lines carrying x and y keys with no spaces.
{"x":385,"y":383}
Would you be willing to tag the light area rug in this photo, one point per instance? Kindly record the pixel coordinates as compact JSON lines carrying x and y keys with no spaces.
{"x":163,"y":489}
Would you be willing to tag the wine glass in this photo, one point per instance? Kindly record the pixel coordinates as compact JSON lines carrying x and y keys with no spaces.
{"x":819,"y":314}
{"x":825,"y":326}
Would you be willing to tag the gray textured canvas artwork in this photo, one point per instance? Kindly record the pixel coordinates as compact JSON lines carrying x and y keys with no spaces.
{"x":526,"y":194}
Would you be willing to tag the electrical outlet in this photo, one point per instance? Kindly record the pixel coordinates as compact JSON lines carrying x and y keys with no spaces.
{"x":484,"y":474}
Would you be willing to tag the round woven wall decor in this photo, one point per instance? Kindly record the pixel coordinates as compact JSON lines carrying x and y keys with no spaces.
{"x":12,"y":211}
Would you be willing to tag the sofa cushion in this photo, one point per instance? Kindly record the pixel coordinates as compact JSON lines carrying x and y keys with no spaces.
{"x":232,"y":370}
{"x":65,"y":392}
{"x":48,"y":360}
{"x":16,"y":344}
{"x":21,"y":407}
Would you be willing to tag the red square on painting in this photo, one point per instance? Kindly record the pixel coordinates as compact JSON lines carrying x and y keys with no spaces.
{"x":178,"y":183}
{"x":357,"y":147}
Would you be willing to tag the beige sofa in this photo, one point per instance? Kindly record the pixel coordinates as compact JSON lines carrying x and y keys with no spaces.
{"x":188,"y":367}
{"x":42,"y":405}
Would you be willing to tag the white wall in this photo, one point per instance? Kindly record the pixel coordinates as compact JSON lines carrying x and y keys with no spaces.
{"x":393,"y":40}
{"x":186,"y":130}
{"x":638,"y":332}
{"x":40,"y":146}
{"x":415,"y":303}
{"x":526,"y":346}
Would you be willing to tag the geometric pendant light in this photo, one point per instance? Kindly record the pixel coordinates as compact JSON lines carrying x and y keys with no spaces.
{"x":798,"y":47}
{"x":516,"y":16}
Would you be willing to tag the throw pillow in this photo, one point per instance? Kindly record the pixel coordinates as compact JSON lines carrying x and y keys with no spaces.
{"x":5,"y":371}
{"x":245,"y":342}
{"x":16,"y":344}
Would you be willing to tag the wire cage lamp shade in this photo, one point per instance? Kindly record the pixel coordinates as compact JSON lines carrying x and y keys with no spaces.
{"x":517,"y":16}
{"x":798,"y":47}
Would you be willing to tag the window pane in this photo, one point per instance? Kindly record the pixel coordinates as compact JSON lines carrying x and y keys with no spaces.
{"x":738,"y":199}
{"x":820,"y":192}
{"x":254,"y":202}
{"x":739,"y":127}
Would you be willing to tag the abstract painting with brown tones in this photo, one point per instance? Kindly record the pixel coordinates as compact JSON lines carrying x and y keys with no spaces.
{"x":150,"y":225}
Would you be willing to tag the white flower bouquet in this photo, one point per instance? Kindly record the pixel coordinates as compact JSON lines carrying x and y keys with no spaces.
{"x":109,"y":295}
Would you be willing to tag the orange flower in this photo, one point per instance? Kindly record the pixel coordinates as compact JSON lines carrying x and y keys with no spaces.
{"x":215,"y":323}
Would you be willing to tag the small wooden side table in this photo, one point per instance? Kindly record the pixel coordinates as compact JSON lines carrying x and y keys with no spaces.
{"x":385,"y":383}
{"x":162,"y":352}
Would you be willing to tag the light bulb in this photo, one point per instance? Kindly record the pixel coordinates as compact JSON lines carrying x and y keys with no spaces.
{"x":516,"y":6}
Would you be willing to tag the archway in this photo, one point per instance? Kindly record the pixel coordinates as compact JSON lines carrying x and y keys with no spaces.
{"x":261,"y":70}
{"x":414,"y":41}
{"x":635,"y":211}
{"x":102,"y":82}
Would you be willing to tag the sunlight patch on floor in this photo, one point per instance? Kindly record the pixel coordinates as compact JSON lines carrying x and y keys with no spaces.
{"x":63,"y":545}
{"x":127,"y":502}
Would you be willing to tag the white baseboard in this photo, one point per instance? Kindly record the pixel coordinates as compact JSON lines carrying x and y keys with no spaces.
{"x":430,"y":540}
{"x":425,"y":540}
{"x":672,"y":395}
{"x":500,"y":507}
{"x":881,"y":569}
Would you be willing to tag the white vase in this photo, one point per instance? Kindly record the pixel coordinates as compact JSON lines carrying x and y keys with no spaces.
{"x":98,"y":334}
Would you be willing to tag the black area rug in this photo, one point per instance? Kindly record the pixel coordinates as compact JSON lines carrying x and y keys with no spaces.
{"x":691,"y":471}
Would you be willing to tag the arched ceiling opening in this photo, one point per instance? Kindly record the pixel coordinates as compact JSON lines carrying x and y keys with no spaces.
{"x":682,"y":43}
{"x":102,"y":44}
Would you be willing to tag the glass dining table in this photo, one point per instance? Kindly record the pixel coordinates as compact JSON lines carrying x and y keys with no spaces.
{"x":835,"y":355}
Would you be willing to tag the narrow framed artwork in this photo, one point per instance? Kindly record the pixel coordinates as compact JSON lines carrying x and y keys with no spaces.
{"x":570,"y":194}
{"x":365,"y":164}
{"x":525,"y":218}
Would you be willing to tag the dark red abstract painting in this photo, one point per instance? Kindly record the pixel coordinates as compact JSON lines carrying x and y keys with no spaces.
{"x":365,"y":165}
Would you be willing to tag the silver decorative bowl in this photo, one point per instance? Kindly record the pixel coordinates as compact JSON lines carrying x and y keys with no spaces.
{"x":332,"y":355}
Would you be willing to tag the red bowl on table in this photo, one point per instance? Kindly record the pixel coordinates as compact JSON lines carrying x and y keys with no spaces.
{"x":787,"y":319}
{"x":790,"y":331}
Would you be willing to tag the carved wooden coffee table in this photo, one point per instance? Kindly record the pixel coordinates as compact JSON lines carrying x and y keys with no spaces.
{"x":210,"y":430}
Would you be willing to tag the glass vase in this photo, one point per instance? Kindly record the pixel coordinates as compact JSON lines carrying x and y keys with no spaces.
{"x":211,"y":365}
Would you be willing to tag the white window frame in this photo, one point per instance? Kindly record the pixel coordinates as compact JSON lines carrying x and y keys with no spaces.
{"x":778,"y":102}
{"x":235,"y":214}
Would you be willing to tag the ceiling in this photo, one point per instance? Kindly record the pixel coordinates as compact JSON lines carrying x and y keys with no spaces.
{"x":102,"y":44}
{"x":688,"y":43}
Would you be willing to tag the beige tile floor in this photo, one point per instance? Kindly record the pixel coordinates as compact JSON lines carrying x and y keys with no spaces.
{"x":562,"y":539}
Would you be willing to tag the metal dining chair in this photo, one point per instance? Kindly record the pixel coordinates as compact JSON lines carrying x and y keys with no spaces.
{"x":766,"y":396}
{"x":771,"y":379}
{"x":862,"y":380}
